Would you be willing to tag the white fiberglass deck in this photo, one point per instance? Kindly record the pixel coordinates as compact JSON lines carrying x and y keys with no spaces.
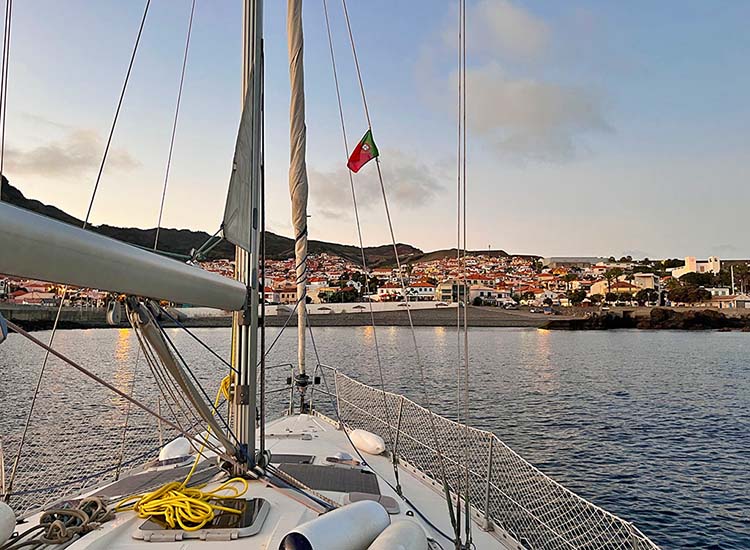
{"x":297,"y":435}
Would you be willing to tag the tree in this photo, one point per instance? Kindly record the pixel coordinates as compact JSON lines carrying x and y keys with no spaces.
{"x":576,"y":296}
{"x":610,"y":297}
{"x":528,"y":296}
{"x":646,"y":295}
{"x":612,"y":275}
{"x":478,"y":301}
{"x":697,"y":279}
{"x":596,"y":298}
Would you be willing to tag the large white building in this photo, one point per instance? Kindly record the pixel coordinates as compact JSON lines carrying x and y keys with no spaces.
{"x":713,"y":265}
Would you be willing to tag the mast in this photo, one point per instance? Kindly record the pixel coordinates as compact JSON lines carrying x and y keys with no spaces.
{"x":245,"y":324}
{"x":298,"y":188}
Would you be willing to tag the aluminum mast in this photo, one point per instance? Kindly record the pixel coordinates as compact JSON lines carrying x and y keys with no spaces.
{"x":245,"y":325}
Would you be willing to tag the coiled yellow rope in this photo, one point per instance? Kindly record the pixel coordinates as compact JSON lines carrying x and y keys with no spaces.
{"x":187,"y":507}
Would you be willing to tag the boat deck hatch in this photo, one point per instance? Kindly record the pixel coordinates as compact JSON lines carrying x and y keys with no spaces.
{"x":148,"y":481}
{"x":333,"y":478}
{"x":291,"y":459}
{"x":224,"y":526}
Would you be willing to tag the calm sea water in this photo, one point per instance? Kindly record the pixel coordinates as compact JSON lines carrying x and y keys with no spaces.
{"x":653,"y":426}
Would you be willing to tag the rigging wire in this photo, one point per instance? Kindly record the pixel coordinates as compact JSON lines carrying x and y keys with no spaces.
{"x":117,"y":113}
{"x":3,"y":97}
{"x":4,"y":82}
{"x":361,"y":242}
{"x":462,"y":248}
{"x":96,"y":378}
{"x":174,"y":123}
{"x":446,"y":488}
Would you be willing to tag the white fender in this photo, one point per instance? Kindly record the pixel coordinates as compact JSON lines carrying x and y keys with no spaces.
{"x":177,"y":448}
{"x":7,"y":522}
{"x":351,"y":527}
{"x":401,"y":535}
{"x":367,"y":441}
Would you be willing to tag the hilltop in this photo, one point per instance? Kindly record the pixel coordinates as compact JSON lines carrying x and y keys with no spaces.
{"x":278,"y":247}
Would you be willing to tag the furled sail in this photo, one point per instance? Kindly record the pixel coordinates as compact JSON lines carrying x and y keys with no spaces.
{"x":297,"y":165}
{"x":238,"y":209}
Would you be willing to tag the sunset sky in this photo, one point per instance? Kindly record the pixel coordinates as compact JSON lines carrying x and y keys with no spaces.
{"x":595,"y":128}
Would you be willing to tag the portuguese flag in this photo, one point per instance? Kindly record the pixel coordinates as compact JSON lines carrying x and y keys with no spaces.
{"x":364,"y":152}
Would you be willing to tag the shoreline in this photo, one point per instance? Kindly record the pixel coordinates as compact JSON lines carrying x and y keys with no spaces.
{"x":42,"y":318}
{"x":35,"y":318}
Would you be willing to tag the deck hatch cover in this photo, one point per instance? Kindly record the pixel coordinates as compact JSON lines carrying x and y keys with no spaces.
{"x":224,"y":526}
{"x":333,"y":478}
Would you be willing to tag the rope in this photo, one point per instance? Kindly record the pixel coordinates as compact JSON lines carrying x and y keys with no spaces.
{"x":61,"y":525}
{"x":361,"y":242}
{"x":190,"y":508}
{"x":446,"y":488}
{"x":174,"y":123}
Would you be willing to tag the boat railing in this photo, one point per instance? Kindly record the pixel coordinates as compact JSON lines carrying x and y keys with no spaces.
{"x":506,"y":493}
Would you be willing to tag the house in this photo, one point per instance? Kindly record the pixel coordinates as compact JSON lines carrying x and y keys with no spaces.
{"x":645,"y":280}
{"x":719,"y":291}
{"x":288,"y":295}
{"x":739,"y":301}
{"x":421,"y":291}
{"x":36,"y":298}
{"x":713,"y":265}
{"x":617,"y":287}
{"x":271,"y":296}
{"x":450,"y":291}
{"x":487,"y":294}
{"x":390,"y":292}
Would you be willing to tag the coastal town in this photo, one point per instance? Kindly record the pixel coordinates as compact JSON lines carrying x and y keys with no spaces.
{"x":510,"y":282}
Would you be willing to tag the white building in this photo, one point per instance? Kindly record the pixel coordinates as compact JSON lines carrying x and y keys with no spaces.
{"x":421,"y":290}
{"x":390,"y":291}
{"x":713,"y":265}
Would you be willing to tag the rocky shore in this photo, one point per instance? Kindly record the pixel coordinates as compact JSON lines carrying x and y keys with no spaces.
{"x":658,"y":318}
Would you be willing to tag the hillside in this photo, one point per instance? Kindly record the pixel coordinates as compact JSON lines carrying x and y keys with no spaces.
{"x":182,"y":241}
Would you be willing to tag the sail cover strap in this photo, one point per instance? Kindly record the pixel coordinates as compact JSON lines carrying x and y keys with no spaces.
{"x":237,"y":212}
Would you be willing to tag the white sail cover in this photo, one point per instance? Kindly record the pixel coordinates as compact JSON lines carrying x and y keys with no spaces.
{"x":297,"y":164}
{"x":239,"y":207}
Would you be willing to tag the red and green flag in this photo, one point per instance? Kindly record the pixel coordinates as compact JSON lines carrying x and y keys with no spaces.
{"x":364,"y":152}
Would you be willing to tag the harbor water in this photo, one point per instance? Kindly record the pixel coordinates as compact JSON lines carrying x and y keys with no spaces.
{"x":653,"y":426}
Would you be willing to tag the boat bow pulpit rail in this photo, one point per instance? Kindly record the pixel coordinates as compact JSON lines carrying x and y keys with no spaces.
{"x":37,"y":247}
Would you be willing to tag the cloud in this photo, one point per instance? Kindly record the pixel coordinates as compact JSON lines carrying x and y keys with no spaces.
{"x":527,"y":117}
{"x":408,"y":184}
{"x":498,"y":26}
{"x":75,"y":154}
{"x":521,"y":115}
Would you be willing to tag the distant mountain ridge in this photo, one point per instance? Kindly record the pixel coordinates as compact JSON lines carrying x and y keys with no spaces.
{"x":182,"y":241}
